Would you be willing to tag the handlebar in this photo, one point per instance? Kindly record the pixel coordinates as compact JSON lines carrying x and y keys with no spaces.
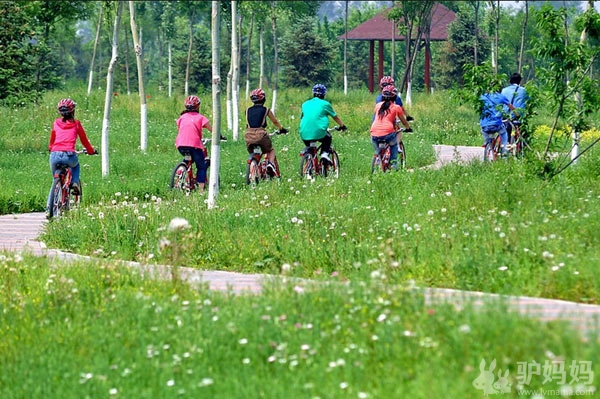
{"x":338,"y":128}
{"x":278,"y":132}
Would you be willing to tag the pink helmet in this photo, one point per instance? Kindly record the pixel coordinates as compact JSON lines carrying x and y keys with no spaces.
{"x":389,"y":92}
{"x":66,"y":106}
{"x":386,"y":80}
{"x":257,"y":95}
{"x":192,"y":103}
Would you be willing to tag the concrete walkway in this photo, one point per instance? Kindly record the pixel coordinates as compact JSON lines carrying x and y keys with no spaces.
{"x":19,"y":233}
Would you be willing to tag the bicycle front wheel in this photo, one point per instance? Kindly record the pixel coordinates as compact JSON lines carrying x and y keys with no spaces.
{"x":59,"y":199}
{"x":401,"y":155}
{"x":306,"y":167}
{"x":179,"y":177}
{"x":375,"y":163}
{"x":252,"y":172}
{"x":489,"y":153}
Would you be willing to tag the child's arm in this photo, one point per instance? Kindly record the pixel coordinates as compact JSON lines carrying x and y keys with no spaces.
{"x":274,"y":120}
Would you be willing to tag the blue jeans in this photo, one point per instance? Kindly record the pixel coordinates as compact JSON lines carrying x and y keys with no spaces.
{"x":198,"y":158}
{"x":503,"y":138}
{"x":67,"y":158}
{"x":392,"y":140}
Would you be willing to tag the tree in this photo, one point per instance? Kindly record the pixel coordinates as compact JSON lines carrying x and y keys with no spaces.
{"x":213,"y":184}
{"x":140,"y":70}
{"x":96,"y":40}
{"x":109,"y":90}
{"x":306,"y":55}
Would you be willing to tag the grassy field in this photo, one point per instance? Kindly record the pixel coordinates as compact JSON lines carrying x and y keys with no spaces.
{"x":98,"y":330}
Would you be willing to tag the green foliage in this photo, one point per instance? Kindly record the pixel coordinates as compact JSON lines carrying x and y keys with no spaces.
{"x":480,"y":79}
{"x":305,"y":55}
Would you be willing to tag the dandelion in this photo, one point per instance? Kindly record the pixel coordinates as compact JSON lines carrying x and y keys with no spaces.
{"x":305,"y":347}
{"x":298,"y":289}
{"x":362,"y":395}
{"x":243,"y":341}
{"x":113,"y":391}
{"x":448,"y":194}
{"x":286,"y":267}
{"x":170,"y":383}
{"x":503,"y":268}
{"x":245,"y":361}
{"x":178,"y":224}
{"x":206,"y":382}
{"x":343,"y":385}
{"x":555,"y":268}
{"x":381,"y":317}
{"x":465,"y":329}
{"x":271,"y":359}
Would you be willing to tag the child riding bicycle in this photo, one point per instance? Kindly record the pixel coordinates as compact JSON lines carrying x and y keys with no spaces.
{"x":385,"y":81}
{"x":491,"y":115}
{"x":189,"y":136}
{"x":384,"y":128}
{"x":65,"y":131}
{"x":256,"y":133}
{"x":314,"y":121}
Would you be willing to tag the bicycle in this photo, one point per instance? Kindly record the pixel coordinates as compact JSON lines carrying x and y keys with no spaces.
{"x":182,"y":177}
{"x":257,"y":165}
{"x":312,"y":165}
{"x":492,"y":147}
{"x":60,"y":196}
{"x":516,"y":142}
{"x":381,"y":159}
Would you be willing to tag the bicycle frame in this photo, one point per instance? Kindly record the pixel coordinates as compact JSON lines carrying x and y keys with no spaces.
{"x":257,"y":167}
{"x":492,"y":147}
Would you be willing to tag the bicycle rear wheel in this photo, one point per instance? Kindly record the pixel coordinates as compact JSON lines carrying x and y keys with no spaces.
{"x":375,"y":163}
{"x":59,"y":199}
{"x":401,"y":155}
{"x":489,"y":153}
{"x":179,"y":177}
{"x":252,"y":172}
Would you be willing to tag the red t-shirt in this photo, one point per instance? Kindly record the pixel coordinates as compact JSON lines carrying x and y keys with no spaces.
{"x":382,"y":126}
{"x":190,"y":127}
{"x":64,"y":136}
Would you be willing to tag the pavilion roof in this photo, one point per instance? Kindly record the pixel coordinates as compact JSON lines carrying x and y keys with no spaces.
{"x":381,"y":28}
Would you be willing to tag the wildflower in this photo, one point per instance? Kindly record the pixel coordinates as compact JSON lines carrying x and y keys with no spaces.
{"x":113,"y":391}
{"x":243,"y":341}
{"x":178,"y":224}
{"x":206,"y":382}
{"x":170,"y":383}
{"x":503,"y":268}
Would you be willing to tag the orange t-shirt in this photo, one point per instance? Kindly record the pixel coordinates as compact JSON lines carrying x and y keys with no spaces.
{"x":382,"y":126}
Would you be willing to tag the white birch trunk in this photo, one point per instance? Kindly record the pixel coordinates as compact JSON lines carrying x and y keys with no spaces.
{"x":140,"y":70}
{"x":261,"y":55}
{"x":228,"y":101}
{"x":96,"y":40}
{"x":408,"y":98}
{"x":346,"y":50}
{"x":215,"y":152}
{"x":109,"y":90}
{"x":170,"y":68}
{"x":235,"y":78}
{"x":275,"y":58}
{"x":189,"y":55}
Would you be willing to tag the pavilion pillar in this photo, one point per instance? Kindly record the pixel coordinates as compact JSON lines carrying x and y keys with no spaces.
{"x":427,"y":68}
{"x":371,"y":64}
{"x":380,"y":70}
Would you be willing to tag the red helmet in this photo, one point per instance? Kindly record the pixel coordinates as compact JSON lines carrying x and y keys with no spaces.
{"x":192,"y":103}
{"x":389,"y":92}
{"x":66,"y":106}
{"x":386,"y":80}
{"x":257,"y":95}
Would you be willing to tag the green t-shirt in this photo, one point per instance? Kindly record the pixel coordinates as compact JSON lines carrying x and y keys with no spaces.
{"x":315,"y":118}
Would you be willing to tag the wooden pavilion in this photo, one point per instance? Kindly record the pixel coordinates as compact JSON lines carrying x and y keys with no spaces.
{"x":381,"y":29}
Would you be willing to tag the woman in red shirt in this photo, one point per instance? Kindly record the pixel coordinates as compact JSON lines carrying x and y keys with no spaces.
{"x":384,"y":128}
{"x":65,"y":131}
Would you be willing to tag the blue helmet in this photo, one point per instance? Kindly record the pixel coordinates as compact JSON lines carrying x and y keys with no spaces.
{"x":319,"y":89}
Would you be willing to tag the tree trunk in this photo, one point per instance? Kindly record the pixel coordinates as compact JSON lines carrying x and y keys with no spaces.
{"x":261,"y":54}
{"x":235,"y":78}
{"x":346,"y":50}
{"x":248,"y":55}
{"x":213,"y":184}
{"x":170,"y":66}
{"x":96,"y":40}
{"x":523,"y":32}
{"x":127,"y":64}
{"x":476,"y":44}
{"x":275,"y":59}
{"x":140,"y":70}
{"x":109,"y":91}
{"x":228,"y":101}
{"x":189,"y":55}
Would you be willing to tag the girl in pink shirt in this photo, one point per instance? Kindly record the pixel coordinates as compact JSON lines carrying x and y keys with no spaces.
{"x":384,"y":128}
{"x":65,"y":131}
{"x":189,"y":138}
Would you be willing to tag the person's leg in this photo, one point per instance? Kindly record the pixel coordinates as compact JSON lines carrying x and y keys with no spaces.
{"x":54,"y":160}
{"x":392,"y":140}
{"x":503,"y":139}
{"x":198,"y":158}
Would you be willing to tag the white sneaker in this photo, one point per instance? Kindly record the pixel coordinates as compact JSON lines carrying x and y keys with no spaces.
{"x":325,"y":156}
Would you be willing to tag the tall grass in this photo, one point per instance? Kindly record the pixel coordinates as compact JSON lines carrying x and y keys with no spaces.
{"x":98,"y":330}
{"x":498,"y":228}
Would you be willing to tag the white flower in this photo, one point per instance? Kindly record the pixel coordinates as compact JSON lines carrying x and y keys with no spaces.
{"x":503,"y":268}
{"x":178,"y":224}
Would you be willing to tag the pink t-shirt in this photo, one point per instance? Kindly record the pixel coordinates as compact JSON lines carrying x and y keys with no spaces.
{"x":64,"y":136}
{"x":190,"y":127}
{"x":386,"y":125}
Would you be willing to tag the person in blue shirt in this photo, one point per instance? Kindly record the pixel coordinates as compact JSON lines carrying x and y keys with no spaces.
{"x":490,"y":121}
{"x":517,"y":96}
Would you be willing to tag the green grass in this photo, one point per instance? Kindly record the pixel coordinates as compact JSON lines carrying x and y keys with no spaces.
{"x":498,"y":228}
{"x":97,"y":330}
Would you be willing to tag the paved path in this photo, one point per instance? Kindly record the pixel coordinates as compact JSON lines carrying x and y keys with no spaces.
{"x":20,"y":232}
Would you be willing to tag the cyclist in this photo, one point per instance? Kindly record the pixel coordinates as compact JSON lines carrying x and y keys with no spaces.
{"x":189,"y":136}
{"x":490,"y":120}
{"x":517,"y":96}
{"x":384,"y":128}
{"x":314,"y":121}
{"x":63,"y":137}
{"x":256,"y":133}
{"x":388,"y":80}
